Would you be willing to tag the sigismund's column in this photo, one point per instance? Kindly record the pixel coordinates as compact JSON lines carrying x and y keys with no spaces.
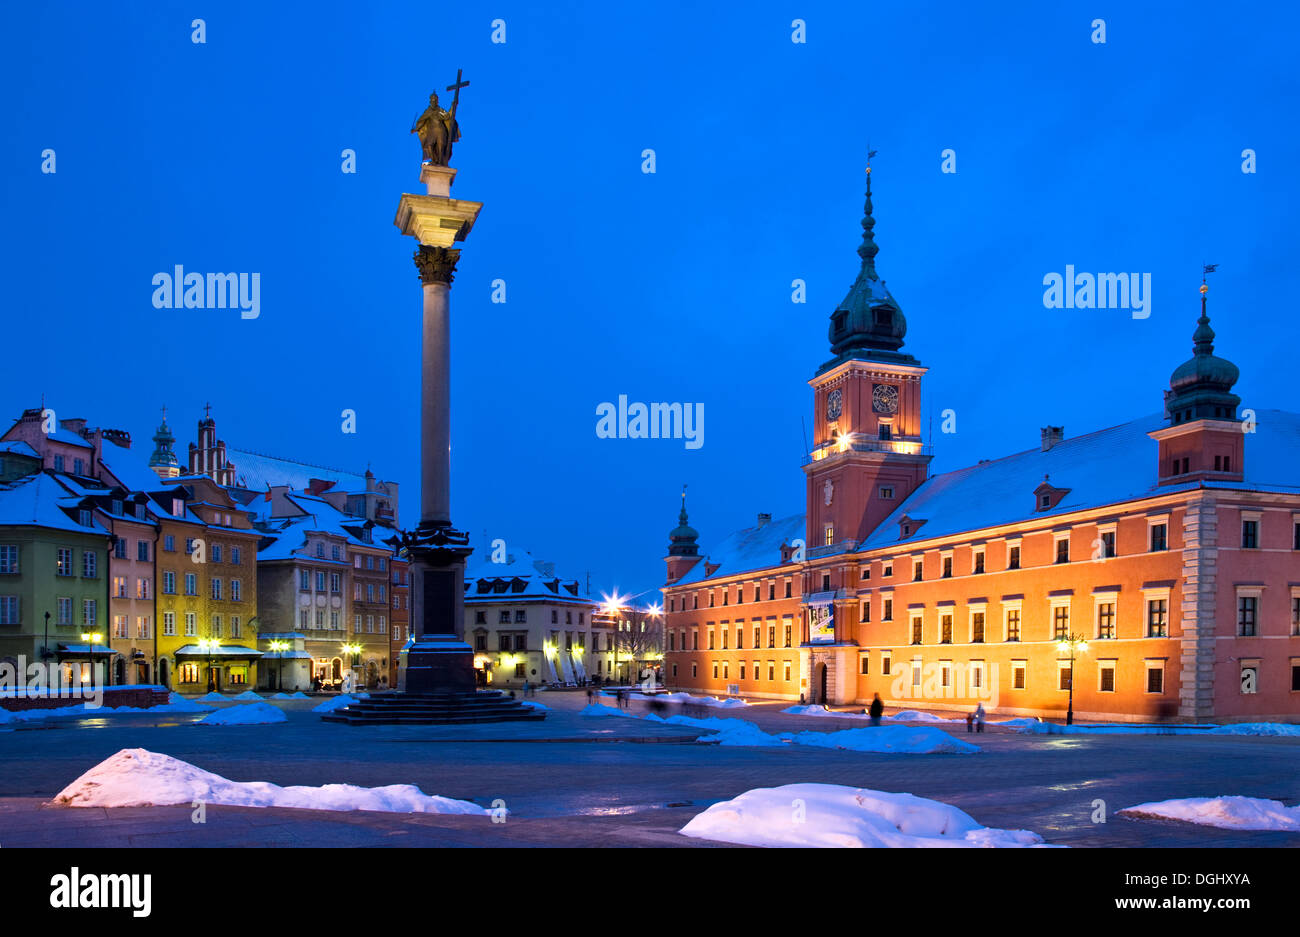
{"x":439,"y":660}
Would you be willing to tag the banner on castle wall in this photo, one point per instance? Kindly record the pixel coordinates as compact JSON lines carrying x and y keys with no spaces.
{"x":821,"y":624}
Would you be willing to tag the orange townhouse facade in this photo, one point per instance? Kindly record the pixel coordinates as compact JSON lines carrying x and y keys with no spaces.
{"x":1147,"y":571}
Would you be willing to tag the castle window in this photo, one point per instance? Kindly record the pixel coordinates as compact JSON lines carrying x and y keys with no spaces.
{"x":826,"y":582}
{"x":1105,"y":620}
{"x":977,"y":562}
{"x":1249,"y":535}
{"x":1247,"y":608}
{"x":1063,"y":549}
{"x":888,"y":614}
{"x":945,"y":630}
{"x":1159,"y":537}
{"x":916,"y":629}
{"x":947,"y":567}
{"x":1013,"y":558}
{"x":1157,"y":618}
{"x":886,"y":492}
{"x":917,"y":569}
{"x":1227,"y":463}
{"x":830,"y":535}
{"x":886,"y":431}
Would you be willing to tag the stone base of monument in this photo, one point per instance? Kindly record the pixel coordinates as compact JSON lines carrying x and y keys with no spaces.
{"x":382,"y":709}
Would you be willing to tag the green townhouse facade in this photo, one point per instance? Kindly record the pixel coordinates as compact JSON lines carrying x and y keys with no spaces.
{"x":54,"y":588}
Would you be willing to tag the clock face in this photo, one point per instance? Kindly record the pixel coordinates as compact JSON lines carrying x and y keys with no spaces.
{"x":884,"y":398}
{"x":834,"y":404}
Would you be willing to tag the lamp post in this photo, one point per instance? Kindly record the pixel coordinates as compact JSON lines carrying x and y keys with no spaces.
{"x":210,"y":645}
{"x":1074,"y":643}
{"x":355,"y":651}
{"x":613,"y":608}
{"x":655,"y":611}
{"x":92,"y":638}
{"x":279,"y":647}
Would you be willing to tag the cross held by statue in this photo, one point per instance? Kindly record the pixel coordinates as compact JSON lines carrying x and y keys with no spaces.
{"x":455,"y":98}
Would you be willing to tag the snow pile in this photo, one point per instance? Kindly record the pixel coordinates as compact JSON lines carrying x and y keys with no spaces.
{"x":597,"y":709}
{"x":135,"y":777}
{"x":176,"y":704}
{"x":299,"y":694}
{"x":904,"y":740}
{"x":211,"y":698}
{"x":341,"y":701}
{"x":917,"y":715}
{"x":831,"y":815}
{"x":247,"y":695}
{"x":819,"y":710}
{"x":900,"y":740}
{"x":680,"y":697}
{"x":1227,"y":813}
{"x":253,"y":714}
{"x":538,"y":706}
{"x":1257,"y":728}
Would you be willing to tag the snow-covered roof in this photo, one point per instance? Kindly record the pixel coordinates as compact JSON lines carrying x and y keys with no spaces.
{"x":18,"y":447}
{"x":1109,"y":466}
{"x":260,"y":472}
{"x":517,"y":580}
{"x":224,"y":650}
{"x":40,"y":501}
{"x":752,"y":548}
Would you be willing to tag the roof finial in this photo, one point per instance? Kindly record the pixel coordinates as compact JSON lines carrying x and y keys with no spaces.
{"x":1203,"y":337}
{"x":682,"y":516}
{"x":207,"y":411}
{"x":868,"y":249}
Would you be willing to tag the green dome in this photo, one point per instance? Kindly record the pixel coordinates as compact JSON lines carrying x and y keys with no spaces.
{"x":1201,"y":387}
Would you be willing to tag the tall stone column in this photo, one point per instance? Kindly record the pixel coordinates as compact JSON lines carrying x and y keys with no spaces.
{"x":439,"y":660}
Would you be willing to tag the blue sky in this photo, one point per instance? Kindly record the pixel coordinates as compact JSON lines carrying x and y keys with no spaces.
{"x":672,"y":286}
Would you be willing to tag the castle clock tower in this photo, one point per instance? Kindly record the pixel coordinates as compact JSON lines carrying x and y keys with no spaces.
{"x":867,"y":448}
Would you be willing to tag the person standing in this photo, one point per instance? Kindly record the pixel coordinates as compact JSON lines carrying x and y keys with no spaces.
{"x":979,"y":718}
{"x":877,"y":709}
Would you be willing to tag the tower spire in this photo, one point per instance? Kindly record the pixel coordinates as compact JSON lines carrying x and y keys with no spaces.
{"x":868,"y":249}
{"x":1201,"y":387}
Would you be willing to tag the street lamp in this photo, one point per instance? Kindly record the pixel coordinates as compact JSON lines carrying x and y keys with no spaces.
{"x":613,"y":607}
{"x":355,"y":651}
{"x":1074,"y":643}
{"x":92,"y":638}
{"x":210,"y":645}
{"x":279,"y":647}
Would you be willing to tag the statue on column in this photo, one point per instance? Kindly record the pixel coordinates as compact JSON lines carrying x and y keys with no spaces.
{"x":437,"y":127}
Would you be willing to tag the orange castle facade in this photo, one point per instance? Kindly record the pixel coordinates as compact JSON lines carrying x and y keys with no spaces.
{"x":1142,"y":572}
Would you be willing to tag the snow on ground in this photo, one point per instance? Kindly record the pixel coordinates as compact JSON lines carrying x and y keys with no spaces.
{"x":728,"y":703}
{"x":831,"y":815}
{"x":251,"y":714}
{"x":176,"y":704}
{"x":1257,"y":728}
{"x":918,"y":715}
{"x":135,"y":777}
{"x":903,"y":740}
{"x":1227,"y":813}
{"x":598,"y":709}
{"x":341,"y":701}
{"x":538,"y":706}
{"x":211,"y":698}
{"x":248,"y":695}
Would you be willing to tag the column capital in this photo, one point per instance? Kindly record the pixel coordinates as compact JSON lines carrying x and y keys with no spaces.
{"x":436,"y":264}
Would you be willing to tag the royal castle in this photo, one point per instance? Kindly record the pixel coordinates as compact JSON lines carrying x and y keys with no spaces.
{"x":1146,"y":571}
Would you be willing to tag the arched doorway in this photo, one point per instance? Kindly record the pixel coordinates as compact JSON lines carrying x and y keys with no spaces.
{"x":119,"y":671}
{"x":821,"y":684}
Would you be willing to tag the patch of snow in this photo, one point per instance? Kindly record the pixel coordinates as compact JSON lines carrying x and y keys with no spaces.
{"x":253,"y":714}
{"x":248,"y":695}
{"x":1226,"y":813}
{"x":341,"y":701}
{"x":902,"y":740}
{"x":135,"y":777}
{"x":832,"y":815}
{"x":597,"y":709}
{"x":538,"y":706}
{"x":917,"y":715}
{"x":1257,"y":728}
{"x":211,"y":698}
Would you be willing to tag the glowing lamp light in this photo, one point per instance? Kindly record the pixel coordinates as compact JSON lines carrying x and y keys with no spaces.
{"x":655,"y":610}
{"x":1063,"y":647}
{"x":844,"y":443}
{"x":548,"y":649}
{"x":91,"y":637}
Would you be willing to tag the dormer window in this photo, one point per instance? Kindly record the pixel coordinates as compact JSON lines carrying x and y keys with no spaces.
{"x":837,"y":321}
{"x":882,"y":317}
{"x":1045,"y":501}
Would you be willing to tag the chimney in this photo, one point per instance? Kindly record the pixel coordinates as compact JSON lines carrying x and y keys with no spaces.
{"x":1051,"y":435}
{"x":764,"y":519}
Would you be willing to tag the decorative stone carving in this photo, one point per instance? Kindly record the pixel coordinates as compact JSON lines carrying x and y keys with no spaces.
{"x":437,"y":264}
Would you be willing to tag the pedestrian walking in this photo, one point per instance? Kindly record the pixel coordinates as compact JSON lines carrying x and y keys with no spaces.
{"x":970,"y":722}
{"x":591,"y":696}
{"x":979,"y":718}
{"x":877,"y":709}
